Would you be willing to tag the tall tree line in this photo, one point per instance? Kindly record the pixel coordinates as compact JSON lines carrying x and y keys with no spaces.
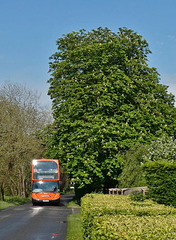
{"x":21,"y":120}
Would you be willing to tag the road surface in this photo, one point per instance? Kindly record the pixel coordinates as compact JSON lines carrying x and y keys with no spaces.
{"x":27,"y":222}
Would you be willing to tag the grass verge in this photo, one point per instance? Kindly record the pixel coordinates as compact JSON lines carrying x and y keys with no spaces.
{"x":12,"y":201}
{"x":74,"y":227}
{"x":74,"y":223}
{"x":4,"y":204}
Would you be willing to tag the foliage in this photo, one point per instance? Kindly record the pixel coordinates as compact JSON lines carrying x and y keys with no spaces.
{"x":159,"y":167}
{"x":21,"y":120}
{"x":134,"y":227}
{"x":105,"y":99}
{"x":137,"y":196}
{"x":117,"y":217}
{"x":132,"y":174}
{"x":163,"y":148}
{"x":161,"y":180}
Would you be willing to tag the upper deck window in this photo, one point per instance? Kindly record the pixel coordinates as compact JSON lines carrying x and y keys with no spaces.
{"x":45,"y":170}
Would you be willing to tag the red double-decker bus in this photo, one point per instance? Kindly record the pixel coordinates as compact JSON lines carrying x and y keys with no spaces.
{"x":45,"y":181}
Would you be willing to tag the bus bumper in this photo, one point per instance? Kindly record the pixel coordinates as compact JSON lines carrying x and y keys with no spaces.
{"x":38,"y":202}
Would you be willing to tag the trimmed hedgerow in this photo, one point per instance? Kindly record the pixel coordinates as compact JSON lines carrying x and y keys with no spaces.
{"x":134,"y":227}
{"x":118,"y":217}
{"x":161,"y":180}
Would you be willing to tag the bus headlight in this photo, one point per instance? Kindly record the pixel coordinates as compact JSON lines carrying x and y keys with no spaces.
{"x":57,"y":196}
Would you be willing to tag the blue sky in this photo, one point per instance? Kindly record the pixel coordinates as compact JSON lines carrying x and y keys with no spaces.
{"x":29,"y":30}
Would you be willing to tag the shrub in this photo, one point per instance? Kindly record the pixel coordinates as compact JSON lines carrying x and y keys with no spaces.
{"x":132,"y":227}
{"x":161,"y":180}
{"x":137,"y":196}
{"x":108,"y":216}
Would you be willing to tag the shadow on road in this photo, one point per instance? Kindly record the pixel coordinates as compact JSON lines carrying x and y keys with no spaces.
{"x":65,"y":199}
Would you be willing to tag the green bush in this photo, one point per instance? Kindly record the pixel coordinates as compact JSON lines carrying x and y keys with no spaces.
{"x":137,"y":196}
{"x":98,"y":210}
{"x":132,"y":227}
{"x":161,"y":180}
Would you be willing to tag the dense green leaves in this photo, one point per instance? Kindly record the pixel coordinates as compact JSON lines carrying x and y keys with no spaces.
{"x":161,"y":180}
{"x":105,"y":99}
{"x":132,"y":174}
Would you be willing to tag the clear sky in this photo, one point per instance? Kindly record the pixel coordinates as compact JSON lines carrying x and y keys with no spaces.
{"x":29,"y":30}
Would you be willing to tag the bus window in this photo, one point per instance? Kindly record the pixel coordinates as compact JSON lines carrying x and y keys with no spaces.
{"x":45,"y":170}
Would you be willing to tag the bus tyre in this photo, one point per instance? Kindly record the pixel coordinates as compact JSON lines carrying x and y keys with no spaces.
{"x":34,"y":203}
{"x":58,"y":202}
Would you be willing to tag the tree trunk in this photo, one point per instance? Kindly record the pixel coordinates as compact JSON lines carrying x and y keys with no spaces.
{"x":2,"y":190}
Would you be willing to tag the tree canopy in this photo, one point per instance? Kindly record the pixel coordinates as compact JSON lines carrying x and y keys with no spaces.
{"x":21,"y":120}
{"x":106,"y":98}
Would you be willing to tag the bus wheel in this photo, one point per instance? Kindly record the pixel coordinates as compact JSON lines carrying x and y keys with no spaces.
{"x":34,"y":203}
{"x":58,"y":202}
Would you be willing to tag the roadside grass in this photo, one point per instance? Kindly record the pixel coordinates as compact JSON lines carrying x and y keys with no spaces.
{"x":73,"y":204}
{"x":12,"y":201}
{"x":74,"y":227}
{"x":74,"y":223}
{"x":4,"y":204}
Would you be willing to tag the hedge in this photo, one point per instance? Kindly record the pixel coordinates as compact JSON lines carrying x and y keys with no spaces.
{"x":118,"y":217}
{"x":161,"y":180}
{"x":134,"y":227}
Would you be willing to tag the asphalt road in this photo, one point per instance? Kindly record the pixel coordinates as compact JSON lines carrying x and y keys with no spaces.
{"x":27,"y":222}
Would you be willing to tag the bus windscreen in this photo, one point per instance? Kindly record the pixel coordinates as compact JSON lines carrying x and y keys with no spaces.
{"x":45,"y":186}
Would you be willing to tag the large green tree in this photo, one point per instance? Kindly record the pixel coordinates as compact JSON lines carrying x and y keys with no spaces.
{"x":106,"y":98}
